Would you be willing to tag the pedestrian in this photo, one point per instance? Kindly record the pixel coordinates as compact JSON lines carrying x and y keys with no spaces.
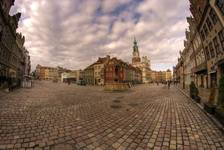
{"x":168,"y":83}
{"x":10,"y":84}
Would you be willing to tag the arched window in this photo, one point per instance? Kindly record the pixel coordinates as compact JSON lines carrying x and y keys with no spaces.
{"x":117,"y":68}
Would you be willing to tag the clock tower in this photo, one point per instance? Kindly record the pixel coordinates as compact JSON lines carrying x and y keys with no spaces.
{"x":136,"y":56}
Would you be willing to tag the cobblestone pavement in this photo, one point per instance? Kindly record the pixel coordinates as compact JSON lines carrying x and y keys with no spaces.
{"x":62,"y":117}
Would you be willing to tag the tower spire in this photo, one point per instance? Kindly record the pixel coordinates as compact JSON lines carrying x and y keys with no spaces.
{"x":135,"y":54}
{"x":135,"y":47}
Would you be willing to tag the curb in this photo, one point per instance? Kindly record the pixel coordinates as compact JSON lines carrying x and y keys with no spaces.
{"x":211,"y":117}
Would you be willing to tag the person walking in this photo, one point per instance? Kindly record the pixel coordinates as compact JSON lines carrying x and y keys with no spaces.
{"x":168,"y":83}
{"x":10,"y":84}
{"x":69,"y":82}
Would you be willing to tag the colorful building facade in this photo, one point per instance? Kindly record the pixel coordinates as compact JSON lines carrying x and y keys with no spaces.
{"x":203,"y":55}
{"x":49,"y":73}
{"x":88,"y":75}
{"x":99,"y":66}
{"x":14,"y":58}
{"x":161,"y":76}
{"x":117,"y":71}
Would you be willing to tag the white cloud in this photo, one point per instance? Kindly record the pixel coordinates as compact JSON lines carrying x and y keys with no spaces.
{"x":111,"y":5}
{"x":73,"y":33}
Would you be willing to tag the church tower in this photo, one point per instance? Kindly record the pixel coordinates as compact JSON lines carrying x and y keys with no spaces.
{"x":136,"y":56}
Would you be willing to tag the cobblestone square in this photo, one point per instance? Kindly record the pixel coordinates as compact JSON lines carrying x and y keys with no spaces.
{"x":63,"y":117}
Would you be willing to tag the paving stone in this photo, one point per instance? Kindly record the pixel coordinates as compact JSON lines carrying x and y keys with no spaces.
{"x":63,"y":147}
{"x":55,"y":115}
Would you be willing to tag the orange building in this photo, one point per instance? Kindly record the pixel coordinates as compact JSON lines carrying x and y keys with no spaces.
{"x":47,"y":73}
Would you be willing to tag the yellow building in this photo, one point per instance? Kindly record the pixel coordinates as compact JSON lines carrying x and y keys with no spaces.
{"x":168,"y":75}
{"x":161,"y":76}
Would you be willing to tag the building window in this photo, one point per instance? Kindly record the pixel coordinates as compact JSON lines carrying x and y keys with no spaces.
{"x":221,"y":37}
{"x":211,"y":49}
{"x":209,"y":24}
{"x":205,"y":30}
{"x":207,"y":53}
{"x":213,"y":16}
{"x":220,"y":4}
{"x":202,"y":35}
{"x":217,"y":46}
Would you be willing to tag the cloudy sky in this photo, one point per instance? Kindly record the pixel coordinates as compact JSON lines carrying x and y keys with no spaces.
{"x":74,"y":33}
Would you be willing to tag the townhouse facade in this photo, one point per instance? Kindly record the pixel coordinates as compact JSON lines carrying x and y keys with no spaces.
{"x":14,"y":58}
{"x":202,"y":59}
{"x":88,"y":75}
{"x":99,"y":66}
{"x":161,"y":76}
{"x":117,"y":71}
{"x":70,"y":76}
{"x":49,"y":73}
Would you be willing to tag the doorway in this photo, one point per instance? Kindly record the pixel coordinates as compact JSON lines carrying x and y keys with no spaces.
{"x":213,"y":79}
{"x":222,"y":70}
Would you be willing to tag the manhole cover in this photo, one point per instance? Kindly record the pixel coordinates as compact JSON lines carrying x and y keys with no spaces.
{"x":115,"y":106}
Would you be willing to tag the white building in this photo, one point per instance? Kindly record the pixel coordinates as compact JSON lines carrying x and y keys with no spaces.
{"x":70,"y":75}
